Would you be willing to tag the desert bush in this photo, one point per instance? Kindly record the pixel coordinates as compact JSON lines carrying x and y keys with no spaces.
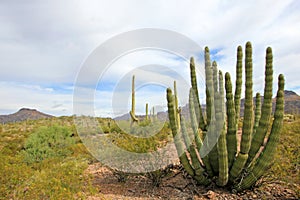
{"x":57,"y":179}
{"x":47,"y":142}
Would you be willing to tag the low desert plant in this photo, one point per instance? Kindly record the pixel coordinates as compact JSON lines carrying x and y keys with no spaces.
{"x":48,"y":142}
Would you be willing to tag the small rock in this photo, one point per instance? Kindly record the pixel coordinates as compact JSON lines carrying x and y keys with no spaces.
{"x":289,"y":191}
{"x":267,"y":193}
{"x":211,"y":195}
{"x":254,"y":196}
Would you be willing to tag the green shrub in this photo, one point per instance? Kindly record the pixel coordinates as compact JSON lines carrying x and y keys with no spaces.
{"x":57,"y":179}
{"x":48,"y":142}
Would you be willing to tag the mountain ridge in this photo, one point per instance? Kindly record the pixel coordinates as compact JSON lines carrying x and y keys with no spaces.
{"x":24,"y":114}
{"x":292,"y":106}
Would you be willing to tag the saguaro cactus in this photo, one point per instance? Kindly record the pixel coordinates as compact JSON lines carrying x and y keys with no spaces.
{"x":134,"y":119}
{"x":146,"y":117}
{"x":238,"y":169}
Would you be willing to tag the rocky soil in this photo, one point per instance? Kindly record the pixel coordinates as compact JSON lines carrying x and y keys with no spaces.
{"x":177,"y":185}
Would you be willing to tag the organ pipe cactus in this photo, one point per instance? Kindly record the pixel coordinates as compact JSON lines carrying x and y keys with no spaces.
{"x":224,"y":163}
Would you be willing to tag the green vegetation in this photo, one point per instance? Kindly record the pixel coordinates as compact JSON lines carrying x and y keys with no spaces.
{"x":43,"y":160}
{"x":63,"y":177}
{"x":48,"y":142}
{"x":239,"y":169}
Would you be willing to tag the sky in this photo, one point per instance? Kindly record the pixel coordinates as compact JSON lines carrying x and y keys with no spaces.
{"x":44,"y":45}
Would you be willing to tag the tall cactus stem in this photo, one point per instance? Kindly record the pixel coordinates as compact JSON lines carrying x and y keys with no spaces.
{"x":147,"y":117}
{"x":213,"y":155}
{"x":266,"y":109}
{"x":257,"y":112}
{"x":209,"y":86}
{"x":194,"y":123}
{"x":231,"y":121}
{"x":191,"y":149}
{"x":178,"y":143}
{"x":266,"y":157}
{"x":134,"y":119}
{"x":198,"y":175}
{"x":240,"y":161}
{"x":222,"y":146}
{"x":238,"y":84}
{"x":177,"y":114}
{"x":197,"y":105}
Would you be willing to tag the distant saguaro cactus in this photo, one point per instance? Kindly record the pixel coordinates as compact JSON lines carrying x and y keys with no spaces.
{"x":134,"y":119}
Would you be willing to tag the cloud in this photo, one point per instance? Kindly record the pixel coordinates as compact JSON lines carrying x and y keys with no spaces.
{"x":44,"y":43}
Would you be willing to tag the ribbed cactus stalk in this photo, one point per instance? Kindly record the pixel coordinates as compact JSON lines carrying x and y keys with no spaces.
{"x":266,"y":157}
{"x":242,"y":157}
{"x":223,"y":163}
{"x":257,"y":112}
{"x":147,"y":116}
{"x":213,"y":154}
{"x":264,"y":121}
{"x":134,"y":119}
{"x":177,"y":117}
{"x":197,"y":104}
{"x":238,"y":83}
{"x":196,"y":172}
{"x":231,"y":122}
{"x":221,"y":145}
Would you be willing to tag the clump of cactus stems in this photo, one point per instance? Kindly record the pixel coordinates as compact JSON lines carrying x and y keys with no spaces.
{"x":224,"y":163}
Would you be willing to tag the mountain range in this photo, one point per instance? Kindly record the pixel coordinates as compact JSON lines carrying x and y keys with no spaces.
{"x":24,"y":114}
{"x":292,"y":106}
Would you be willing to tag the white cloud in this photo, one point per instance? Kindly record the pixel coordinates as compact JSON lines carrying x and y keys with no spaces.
{"x":45,"y":42}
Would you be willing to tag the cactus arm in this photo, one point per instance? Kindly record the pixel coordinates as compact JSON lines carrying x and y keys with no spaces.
{"x":266,"y":157}
{"x":176,"y":106}
{"x":209,"y":85}
{"x":238,"y":84}
{"x":264,"y":121}
{"x":257,"y":112}
{"x":194,"y":123}
{"x":213,"y":154}
{"x":242,"y":157}
{"x":222,"y":146}
{"x":197,"y":104}
{"x":193,"y":154}
{"x":231,"y":122}
{"x":146,"y":117}
{"x":133,"y":117}
{"x":132,"y":112}
{"x":133,"y":96}
{"x":176,"y":135}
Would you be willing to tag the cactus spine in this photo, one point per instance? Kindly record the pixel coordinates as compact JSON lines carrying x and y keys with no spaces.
{"x":240,"y":171}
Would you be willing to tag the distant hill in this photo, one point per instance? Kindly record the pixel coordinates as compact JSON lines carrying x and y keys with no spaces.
{"x":22,"y":115}
{"x":291,"y":103}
